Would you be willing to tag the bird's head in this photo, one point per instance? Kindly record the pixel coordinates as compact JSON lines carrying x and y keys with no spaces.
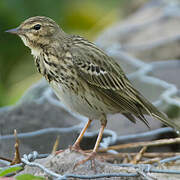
{"x":37,"y":32}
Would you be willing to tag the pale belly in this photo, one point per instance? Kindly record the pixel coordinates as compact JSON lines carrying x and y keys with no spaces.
{"x":90,"y":107}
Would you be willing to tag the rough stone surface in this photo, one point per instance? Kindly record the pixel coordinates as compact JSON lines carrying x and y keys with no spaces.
{"x":150,"y":34}
{"x":31,"y":117}
{"x":64,"y":162}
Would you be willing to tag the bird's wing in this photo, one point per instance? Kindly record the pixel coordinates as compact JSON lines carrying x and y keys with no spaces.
{"x":97,"y":68}
{"x":106,"y":75}
{"x":102,"y":71}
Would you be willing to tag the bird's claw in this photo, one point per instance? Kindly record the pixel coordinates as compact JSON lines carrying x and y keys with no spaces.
{"x":91,"y":157}
{"x":77,"y":148}
{"x":59,"y":151}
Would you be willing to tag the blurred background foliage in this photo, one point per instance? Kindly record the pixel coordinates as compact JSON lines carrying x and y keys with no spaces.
{"x":86,"y":18}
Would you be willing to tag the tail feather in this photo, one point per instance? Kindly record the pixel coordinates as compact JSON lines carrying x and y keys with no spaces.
{"x":143,"y":119}
{"x":162,"y":117}
{"x":151,"y":110}
{"x":130,"y":117}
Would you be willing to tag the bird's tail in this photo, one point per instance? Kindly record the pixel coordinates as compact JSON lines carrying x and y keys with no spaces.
{"x":165,"y":120}
{"x":155,"y":113}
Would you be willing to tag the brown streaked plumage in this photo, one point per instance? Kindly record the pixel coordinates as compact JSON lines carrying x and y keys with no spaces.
{"x":84,"y":77}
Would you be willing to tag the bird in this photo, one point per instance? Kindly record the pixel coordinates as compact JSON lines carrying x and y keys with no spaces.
{"x":85,"y":79}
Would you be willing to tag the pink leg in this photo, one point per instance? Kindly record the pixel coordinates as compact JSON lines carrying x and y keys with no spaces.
{"x":92,"y":155}
{"x":76,"y":145}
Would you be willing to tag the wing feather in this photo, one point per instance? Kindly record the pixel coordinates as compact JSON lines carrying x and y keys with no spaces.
{"x":108,"y":79}
{"x":106,"y":76}
{"x":97,"y":70}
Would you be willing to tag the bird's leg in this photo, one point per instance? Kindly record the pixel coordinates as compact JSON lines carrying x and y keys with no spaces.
{"x":76,"y":145}
{"x":92,"y":155}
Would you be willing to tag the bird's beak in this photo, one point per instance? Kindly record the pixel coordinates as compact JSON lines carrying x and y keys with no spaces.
{"x":13,"y":31}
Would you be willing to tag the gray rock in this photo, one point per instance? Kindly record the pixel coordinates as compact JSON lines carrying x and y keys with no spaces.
{"x":64,"y":162}
{"x":34,"y":113}
{"x":150,"y":34}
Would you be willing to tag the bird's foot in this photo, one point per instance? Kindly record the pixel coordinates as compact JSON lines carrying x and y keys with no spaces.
{"x":91,"y":157}
{"x":59,"y":151}
{"x":76,"y":148}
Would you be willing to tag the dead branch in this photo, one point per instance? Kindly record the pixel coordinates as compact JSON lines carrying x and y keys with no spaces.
{"x":141,"y":144}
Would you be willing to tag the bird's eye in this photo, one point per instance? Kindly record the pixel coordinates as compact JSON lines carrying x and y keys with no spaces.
{"x":37,"y":27}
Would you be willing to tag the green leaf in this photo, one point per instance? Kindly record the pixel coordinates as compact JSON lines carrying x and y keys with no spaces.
{"x":9,"y":170}
{"x":29,"y":177}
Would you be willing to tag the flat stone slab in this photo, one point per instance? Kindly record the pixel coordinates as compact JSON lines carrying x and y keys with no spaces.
{"x":64,"y":162}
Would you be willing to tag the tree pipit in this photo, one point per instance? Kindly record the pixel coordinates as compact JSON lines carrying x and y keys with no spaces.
{"x":84,"y":77}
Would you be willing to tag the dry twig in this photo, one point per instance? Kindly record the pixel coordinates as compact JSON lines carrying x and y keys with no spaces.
{"x":146,"y":155}
{"x":150,"y":161}
{"x":138,"y":156}
{"x":55,"y":146}
{"x":5,"y":159}
{"x":141,"y":144}
{"x":17,"y":158}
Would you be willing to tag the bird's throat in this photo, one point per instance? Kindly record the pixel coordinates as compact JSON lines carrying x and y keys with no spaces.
{"x":36,"y":52}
